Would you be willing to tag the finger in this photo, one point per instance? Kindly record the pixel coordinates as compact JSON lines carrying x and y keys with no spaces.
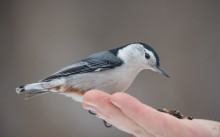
{"x":154,"y":122}
{"x":100,"y":102}
{"x":209,"y":123}
{"x":203,"y":127}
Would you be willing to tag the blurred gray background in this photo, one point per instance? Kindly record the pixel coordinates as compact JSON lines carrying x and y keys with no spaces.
{"x":38,"y":38}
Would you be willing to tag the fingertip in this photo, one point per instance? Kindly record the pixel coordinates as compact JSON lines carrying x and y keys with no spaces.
{"x":88,"y":98}
{"x":93,"y":97}
{"x":119,"y":96}
{"x":121,"y":99}
{"x":90,"y":93}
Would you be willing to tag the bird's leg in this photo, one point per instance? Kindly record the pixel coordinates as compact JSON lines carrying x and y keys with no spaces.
{"x":174,"y":113}
{"x":105,"y":123}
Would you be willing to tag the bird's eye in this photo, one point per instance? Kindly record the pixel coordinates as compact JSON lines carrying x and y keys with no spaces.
{"x":147,"y":56}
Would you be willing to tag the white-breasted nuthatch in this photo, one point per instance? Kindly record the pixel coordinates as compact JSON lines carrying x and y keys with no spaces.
{"x":110,"y":71}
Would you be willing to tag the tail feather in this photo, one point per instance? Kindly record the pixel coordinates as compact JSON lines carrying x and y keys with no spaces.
{"x":31,"y":90}
{"x":34,"y":93}
{"x":20,"y":89}
{"x":38,"y":88}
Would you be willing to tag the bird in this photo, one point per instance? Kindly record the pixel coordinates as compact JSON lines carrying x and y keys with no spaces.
{"x":110,"y":71}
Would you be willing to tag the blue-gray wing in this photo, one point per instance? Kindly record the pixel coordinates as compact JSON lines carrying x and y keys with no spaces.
{"x":97,"y":62}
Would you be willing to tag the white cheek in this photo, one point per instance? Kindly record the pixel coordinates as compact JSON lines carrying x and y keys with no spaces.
{"x":144,"y":62}
{"x":148,"y":64}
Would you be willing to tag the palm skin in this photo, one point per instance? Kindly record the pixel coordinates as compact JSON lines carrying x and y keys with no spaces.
{"x":130,"y":115}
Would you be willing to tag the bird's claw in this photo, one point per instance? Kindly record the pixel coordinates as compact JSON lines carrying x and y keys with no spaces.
{"x":105,"y":123}
{"x":91,"y":112}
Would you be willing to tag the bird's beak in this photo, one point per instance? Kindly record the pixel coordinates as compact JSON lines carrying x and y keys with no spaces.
{"x":161,"y":71}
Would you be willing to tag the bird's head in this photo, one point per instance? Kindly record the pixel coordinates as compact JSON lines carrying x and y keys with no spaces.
{"x":143,"y":55}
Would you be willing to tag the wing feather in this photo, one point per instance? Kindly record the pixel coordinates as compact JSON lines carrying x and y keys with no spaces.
{"x":97,"y":62}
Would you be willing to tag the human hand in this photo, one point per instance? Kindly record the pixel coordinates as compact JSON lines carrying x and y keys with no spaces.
{"x":130,"y":115}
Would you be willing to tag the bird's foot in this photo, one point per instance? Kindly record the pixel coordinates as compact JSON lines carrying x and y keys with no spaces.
{"x":174,"y":113}
{"x":105,"y":123}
